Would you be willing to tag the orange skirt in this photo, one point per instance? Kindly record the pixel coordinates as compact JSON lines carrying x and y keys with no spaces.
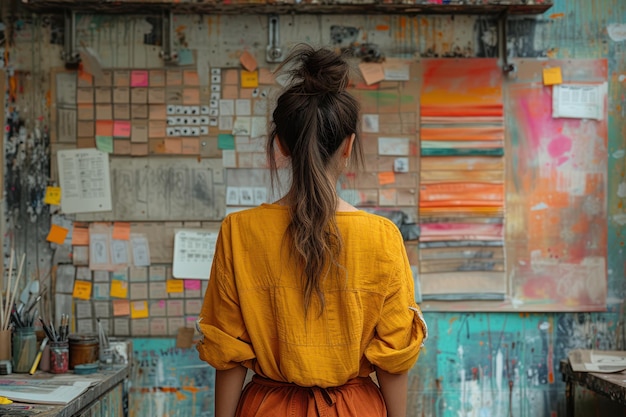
{"x":264,"y":397}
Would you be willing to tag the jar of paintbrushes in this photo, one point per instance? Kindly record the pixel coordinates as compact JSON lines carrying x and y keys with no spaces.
{"x":24,"y":349}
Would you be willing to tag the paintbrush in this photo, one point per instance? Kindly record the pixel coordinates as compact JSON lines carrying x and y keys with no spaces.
{"x":33,"y":368}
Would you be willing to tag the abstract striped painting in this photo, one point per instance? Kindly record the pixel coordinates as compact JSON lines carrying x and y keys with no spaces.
{"x":462,"y":187}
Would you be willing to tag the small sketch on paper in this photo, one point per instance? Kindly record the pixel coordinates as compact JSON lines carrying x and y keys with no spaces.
{"x":99,"y":253}
{"x":119,"y":252}
{"x":141,"y":250}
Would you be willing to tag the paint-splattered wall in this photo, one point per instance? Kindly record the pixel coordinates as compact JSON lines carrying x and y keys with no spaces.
{"x":475,"y":364}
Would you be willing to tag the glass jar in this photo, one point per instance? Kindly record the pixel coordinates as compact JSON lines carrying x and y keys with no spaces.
{"x":59,"y":357}
{"x":24,"y":349}
{"x":83,"y":350}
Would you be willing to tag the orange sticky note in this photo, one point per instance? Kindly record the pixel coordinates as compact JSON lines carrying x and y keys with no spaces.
{"x":552,"y":76}
{"x":191,"y":96}
{"x":175,"y":285}
{"x":121,"y":307}
{"x":104,"y":127}
{"x":80,"y":236}
{"x":57,"y":234}
{"x":121,"y":231}
{"x":121,"y":128}
{"x":387,"y":177}
{"x":248,"y":61}
{"x":372,"y":72}
{"x":249,"y":79}
{"x":82,"y":290}
{"x":119,"y":289}
{"x":53,"y":196}
{"x":138,"y":309}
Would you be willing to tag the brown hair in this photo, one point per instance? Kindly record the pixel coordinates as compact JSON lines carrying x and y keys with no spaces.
{"x":312,"y":119}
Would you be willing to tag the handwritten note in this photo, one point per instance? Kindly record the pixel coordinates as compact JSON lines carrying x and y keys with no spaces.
{"x":139,"y":310}
{"x":119,"y":289}
{"x":387,"y":177}
{"x":57,"y":234}
{"x":193,"y":253}
{"x":53,"y":196}
{"x":121,"y":307}
{"x":80,"y":236}
{"x":82,"y":290}
{"x":249,"y":79}
{"x":175,"y":286}
{"x":139,"y":78}
{"x":193,"y":284}
{"x":140,"y":249}
{"x":104,"y":143}
{"x":552,"y":76}
{"x":121,"y":128}
{"x":84,"y":180}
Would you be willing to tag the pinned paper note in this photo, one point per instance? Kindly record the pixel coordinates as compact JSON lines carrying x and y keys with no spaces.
{"x":388,"y":177}
{"x":552,"y":76}
{"x":175,"y":285}
{"x":248,"y":61}
{"x":82,"y":290}
{"x":121,"y":307}
{"x":121,"y":128}
{"x":249,"y":79}
{"x":139,"y":310}
{"x":119,"y":289}
{"x":53,"y":196}
{"x":57,"y":234}
{"x":193,"y":284}
{"x":139,"y":78}
{"x":225,"y":141}
{"x":372,"y":72}
{"x":104,"y":143}
{"x":80,"y":236}
{"x":121,"y":231}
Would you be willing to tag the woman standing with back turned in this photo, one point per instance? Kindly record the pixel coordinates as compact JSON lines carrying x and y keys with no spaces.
{"x":310,"y":293}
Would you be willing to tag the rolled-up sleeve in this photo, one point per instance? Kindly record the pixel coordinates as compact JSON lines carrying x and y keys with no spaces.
{"x":401,"y":330}
{"x":220,"y":322}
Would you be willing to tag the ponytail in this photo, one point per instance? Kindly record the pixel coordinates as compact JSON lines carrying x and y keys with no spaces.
{"x":311,"y":121}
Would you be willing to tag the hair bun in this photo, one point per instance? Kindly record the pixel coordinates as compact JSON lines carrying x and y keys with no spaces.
{"x":319,"y":71}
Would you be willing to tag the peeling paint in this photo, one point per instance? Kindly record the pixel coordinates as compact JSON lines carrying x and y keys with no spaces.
{"x":617,"y":31}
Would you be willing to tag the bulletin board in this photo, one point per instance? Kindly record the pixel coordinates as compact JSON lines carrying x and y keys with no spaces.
{"x":510,"y":201}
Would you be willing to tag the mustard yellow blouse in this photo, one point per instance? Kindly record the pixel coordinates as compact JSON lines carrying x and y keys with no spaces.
{"x":253,"y":311}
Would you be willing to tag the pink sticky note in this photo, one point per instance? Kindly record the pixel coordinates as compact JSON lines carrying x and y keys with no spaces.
{"x":192,"y":284}
{"x":121,"y":128}
{"x":139,"y":79}
{"x":162,"y":303}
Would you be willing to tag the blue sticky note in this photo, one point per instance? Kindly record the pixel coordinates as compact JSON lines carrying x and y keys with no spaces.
{"x":225,"y":141}
{"x":185,"y":57}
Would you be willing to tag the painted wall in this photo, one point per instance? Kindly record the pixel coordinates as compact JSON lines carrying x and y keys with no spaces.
{"x":474,"y":364}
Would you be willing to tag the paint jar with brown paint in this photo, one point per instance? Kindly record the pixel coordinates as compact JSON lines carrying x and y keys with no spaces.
{"x":83,"y":349}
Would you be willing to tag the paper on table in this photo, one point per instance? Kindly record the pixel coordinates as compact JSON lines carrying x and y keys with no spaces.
{"x":42,"y":391}
{"x":600,"y":361}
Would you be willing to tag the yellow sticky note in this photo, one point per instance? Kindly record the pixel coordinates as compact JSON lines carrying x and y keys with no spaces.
{"x":82,"y":290}
{"x":53,"y":196}
{"x":388,"y":177}
{"x":552,"y":76}
{"x":175,"y":285}
{"x":57,"y":234}
{"x":249,"y":79}
{"x":138,"y":309}
{"x":119,"y":288}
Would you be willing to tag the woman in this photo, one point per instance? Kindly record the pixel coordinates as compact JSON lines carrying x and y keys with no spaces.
{"x":310,"y":293}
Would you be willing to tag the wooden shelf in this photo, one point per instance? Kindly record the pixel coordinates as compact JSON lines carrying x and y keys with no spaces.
{"x":495,"y":8}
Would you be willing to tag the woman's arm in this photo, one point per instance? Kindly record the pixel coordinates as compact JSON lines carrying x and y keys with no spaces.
{"x":394,"y":388}
{"x":228,"y":386}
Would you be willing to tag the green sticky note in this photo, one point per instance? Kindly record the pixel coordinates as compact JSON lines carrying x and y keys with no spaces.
{"x":225,"y":141}
{"x":104,"y":143}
